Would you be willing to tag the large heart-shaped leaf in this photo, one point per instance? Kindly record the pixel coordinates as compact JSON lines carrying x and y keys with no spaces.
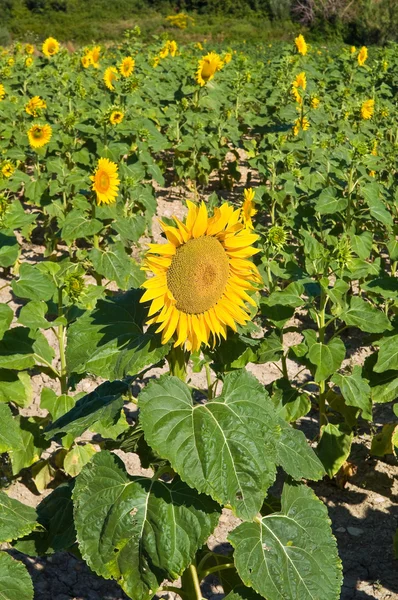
{"x":228,"y":447}
{"x":110,"y":341}
{"x":15,"y":582}
{"x":16,"y":519}
{"x":291,"y":554}
{"x":366,"y":317}
{"x":138,"y":530}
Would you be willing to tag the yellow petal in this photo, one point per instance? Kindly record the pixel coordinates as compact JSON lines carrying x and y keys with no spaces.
{"x":191,"y":217}
{"x":200,"y":225}
{"x":165,"y":249}
{"x":182,"y":330}
{"x":171,"y":326}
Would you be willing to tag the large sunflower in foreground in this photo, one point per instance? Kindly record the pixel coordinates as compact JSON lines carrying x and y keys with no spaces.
{"x":105,"y":181}
{"x":207,"y":67}
{"x":39,"y":135}
{"x":201,"y":276}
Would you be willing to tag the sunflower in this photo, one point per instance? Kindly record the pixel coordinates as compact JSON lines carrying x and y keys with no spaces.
{"x":155,"y":61}
{"x":207,"y":67}
{"x":164,"y":52}
{"x":201,"y":276}
{"x":301,"y":123}
{"x":297,"y":95}
{"x":7,"y":170}
{"x":248,"y":210}
{"x":29,"y":49}
{"x":95,"y":56}
{"x":50,"y":47}
{"x":2,"y":92}
{"x":353,"y":49}
{"x":86,"y":60}
{"x":300,"y":81}
{"x":315,"y":102}
{"x":110,"y":76}
{"x":362,"y":56}
{"x":301,"y":45}
{"x":227,"y":58}
{"x":35,"y":105}
{"x":367,"y":109}
{"x":28,"y":61}
{"x":116,"y":117}
{"x":127,"y":66}
{"x":173,"y":48}
{"x":39,"y":135}
{"x":105,"y":181}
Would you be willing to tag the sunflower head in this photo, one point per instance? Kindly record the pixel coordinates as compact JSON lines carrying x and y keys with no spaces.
{"x":248,"y":210}
{"x":155,"y":61}
{"x":301,"y":123}
{"x":207,"y":67}
{"x":300,"y":81}
{"x":50,"y":47}
{"x":173,"y":47}
{"x":86,"y":60}
{"x":95,"y":56}
{"x":110,"y":76}
{"x":362,"y":56}
{"x":7,"y":170}
{"x":367,"y":109}
{"x":301,"y":45}
{"x":315,"y":102}
{"x":39,"y":135}
{"x":353,"y":49}
{"x":2,"y":91}
{"x":277,"y":236}
{"x":29,"y":49}
{"x":105,"y":181}
{"x":35,"y":106}
{"x":201,"y":277}
{"x":116,"y":117}
{"x":28,"y":61}
{"x":127,"y":65}
{"x":227,"y":58}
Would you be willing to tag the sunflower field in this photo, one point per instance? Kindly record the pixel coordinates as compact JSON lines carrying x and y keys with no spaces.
{"x":198,"y":252}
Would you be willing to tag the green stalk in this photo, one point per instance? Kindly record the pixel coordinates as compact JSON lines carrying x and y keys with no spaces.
{"x":195,"y":581}
{"x":61,"y":334}
{"x":322,"y":384}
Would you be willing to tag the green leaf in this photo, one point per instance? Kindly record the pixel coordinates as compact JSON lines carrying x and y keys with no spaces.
{"x":328,"y":202}
{"x":103,"y":404}
{"x":355,"y":391}
{"x":362,"y":244}
{"x":16,"y":519}
{"x":77,"y":457}
{"x":116,"y":265}
{"x":291,"y":554}
{"x":9,"y":248}
{"x":79,"y":224}
{"x":138,"y":530}
{"x":57,"y":406}
{"x":32,"y":443}
{"x":6,"y":317}
{"x":110,"y":341}
{"x":33,"y":284}
{"x":15,"y":582}
{"x":55,"y":515}
{"x":227,"y":448}
{"x":291,"y":296}
{"x":32,"y":315}
{"x":327,"y":357}
{"x":290,"y":403}
{"x":388,"y":354}
{"x":16,"y":387}
{"x":10,"y":437}
{"x":334,"y":446}
{"x":363,"y":315}
{"x":241,"y":592}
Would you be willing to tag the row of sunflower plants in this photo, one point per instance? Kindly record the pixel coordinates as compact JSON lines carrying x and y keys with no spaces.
{"x":311,"y":252}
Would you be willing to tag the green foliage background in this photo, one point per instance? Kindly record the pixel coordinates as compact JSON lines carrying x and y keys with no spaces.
{"x":361,"y":22}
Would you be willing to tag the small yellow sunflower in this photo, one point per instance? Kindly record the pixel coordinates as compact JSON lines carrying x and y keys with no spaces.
{"x":362,"y":56}
{"x":127,"y":66}
{"x":227,"y":58}
{"x":28,"y":61}
{"x":207,"y":67}
{"x":50,"y":47}
{"x":353,"y":49}
{"x":8,"y":170}
{"x":116,"y":117}
{"x":201,"y":276}
{"x":155,"y":61}
{"x":315,"y":102}
{"x":173,"y":48}
{"x":301,"y":123}
{"x":86,"y":60}
{"x":39,"y":135}
{"x":110,"y":76}
{"x":248,"y":210}
{"x":300,"y":81}
{"x":105,"y":181}
{"x":2,"y":92}
{"x":164,"y":52}
{"x":95,"y":56}
{"x":297,"y":95}
{"x":11,"y":62}
{"x":29,"y":49}
{"x":301,"y":45}
{"x":35,"y":105}
{"x":367,"y":109}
